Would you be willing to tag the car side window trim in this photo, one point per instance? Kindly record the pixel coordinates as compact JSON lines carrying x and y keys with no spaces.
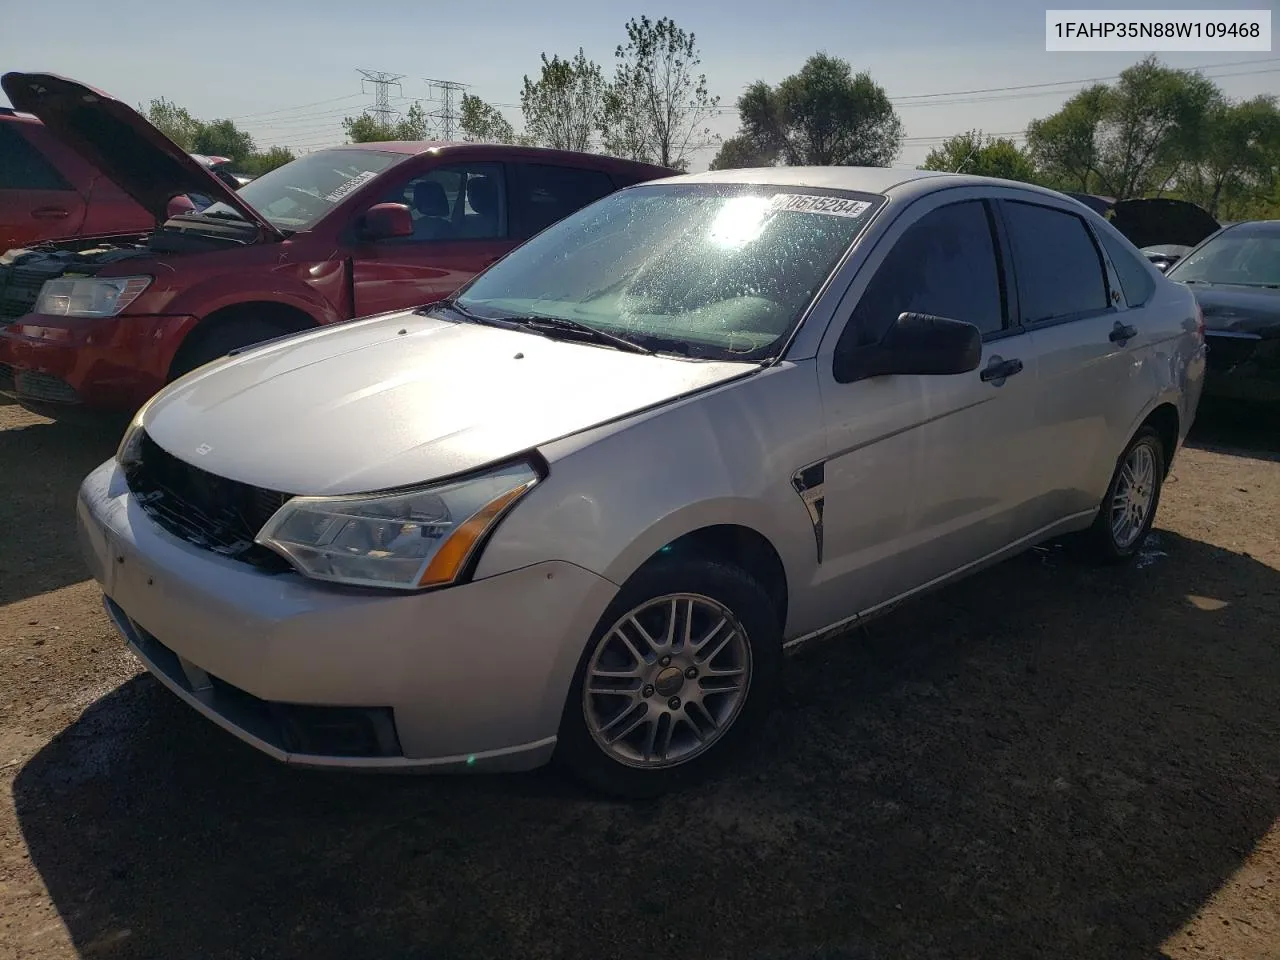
{"x":1005,"y":273}
{"x":1120,"y":295}
{"x":1103,"y":266}
{"x":1001,"y":258}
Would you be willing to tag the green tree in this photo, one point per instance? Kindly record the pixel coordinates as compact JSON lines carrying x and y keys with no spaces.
{"x":657,"y":105}
{"x":367,"y":128}
{"x":259,"y":163}
{"x":983,"y":156}
{"x":174,"y":122}
{"x":1235,"y":165}
{"x":1064,"y":146}
{"x":1129,"y":139}
{"x":738,"y":152}
{"x":564,"y":107}
{"x":823,"y":115}
{"x":484,"y":123}
{"x":222,"y":138}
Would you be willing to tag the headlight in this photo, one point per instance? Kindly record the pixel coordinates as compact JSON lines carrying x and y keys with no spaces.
{"x":89,"y":296}
{"x":409,"y":540}
{"x":129,"y":449}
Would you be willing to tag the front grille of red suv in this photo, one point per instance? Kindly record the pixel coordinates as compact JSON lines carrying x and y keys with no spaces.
{"x":205,"y":510}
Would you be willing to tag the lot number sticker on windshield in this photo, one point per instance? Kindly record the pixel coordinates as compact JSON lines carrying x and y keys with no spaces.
{"x":348,"y":185}
{"x":809,"y":203}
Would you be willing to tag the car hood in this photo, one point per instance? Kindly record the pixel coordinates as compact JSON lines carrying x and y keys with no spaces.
{"x":128,"y":150}
{"x":1162,"y":221}
{"x":403,"y":399}
{"x":1234,"y":309}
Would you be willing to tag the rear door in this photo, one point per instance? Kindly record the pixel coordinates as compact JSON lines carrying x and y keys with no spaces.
{"x":461,"y":225}
{"x":37,"y":201}
{"x":1088,"y":389}
{"x":925,"y":474}
{"x":543,"y":193}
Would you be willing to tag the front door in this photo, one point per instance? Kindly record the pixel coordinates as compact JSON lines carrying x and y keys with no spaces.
{"x":924,"y":474}
{"x":460,"y":227}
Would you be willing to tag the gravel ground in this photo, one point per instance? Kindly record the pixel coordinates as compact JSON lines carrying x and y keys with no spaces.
{"x":1045,"y":761}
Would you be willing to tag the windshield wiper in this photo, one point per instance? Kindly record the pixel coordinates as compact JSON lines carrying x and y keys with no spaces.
{"x":551,"y":325}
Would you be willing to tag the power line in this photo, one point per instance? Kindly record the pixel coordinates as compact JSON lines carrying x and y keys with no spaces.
{"x":251,"y":116}
{"x":1044,"y":86}
{"x":447,"y":116}
{"x":382,"y":84}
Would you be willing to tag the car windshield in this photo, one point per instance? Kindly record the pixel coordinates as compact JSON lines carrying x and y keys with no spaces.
{"x":296,"y":195}
{"x":1247,"y":255}
{"x":711,"y":271}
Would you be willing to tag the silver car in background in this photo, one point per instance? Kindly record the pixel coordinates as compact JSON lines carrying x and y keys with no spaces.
{"x":579,"y":510}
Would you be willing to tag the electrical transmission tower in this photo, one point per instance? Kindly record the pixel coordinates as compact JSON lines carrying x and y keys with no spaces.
{"x":447,"y":116}
{"x":382,"y":84}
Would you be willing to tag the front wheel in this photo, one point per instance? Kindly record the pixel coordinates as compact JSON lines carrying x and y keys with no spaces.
{"x":1129,"y":507}
{"x":682,"y":663}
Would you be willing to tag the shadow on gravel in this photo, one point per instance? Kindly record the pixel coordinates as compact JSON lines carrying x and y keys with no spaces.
{"x":1048,"y":760}
{"x":39,"y":551}
{"x":1237,"y":428}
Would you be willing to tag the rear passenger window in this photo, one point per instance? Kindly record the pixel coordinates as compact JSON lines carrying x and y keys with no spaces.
{"x":1131,"y":268}
{"x":944,"y":264}
{"x":1059,"y":269}
{"x":545,"y":194}
{"x":22,"y":166}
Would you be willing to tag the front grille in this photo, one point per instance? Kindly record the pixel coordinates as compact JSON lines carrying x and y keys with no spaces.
{"x":46,"y":387}
{"x":206,"y":510}
{"x":18,"y":291}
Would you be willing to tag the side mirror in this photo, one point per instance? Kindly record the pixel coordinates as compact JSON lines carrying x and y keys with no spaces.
{"x":386,"y":221}
{"x":179,"y":205}
{"x":916,"y":345}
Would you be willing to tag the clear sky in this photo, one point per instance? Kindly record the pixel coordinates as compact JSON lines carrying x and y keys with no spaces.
{"x":287,"y":70}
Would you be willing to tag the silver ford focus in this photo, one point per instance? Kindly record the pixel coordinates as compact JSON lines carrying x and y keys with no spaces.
{"x":579,"y":510}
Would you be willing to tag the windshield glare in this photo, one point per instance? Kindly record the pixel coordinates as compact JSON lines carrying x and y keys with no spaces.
{"x":1243,"y":256}
{"x":706,"y":270}
{"x":296,"y":195}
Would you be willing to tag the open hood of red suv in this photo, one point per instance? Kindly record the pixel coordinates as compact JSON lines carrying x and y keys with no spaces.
{"x":1147,"y":222}
{"x":117,"y":140}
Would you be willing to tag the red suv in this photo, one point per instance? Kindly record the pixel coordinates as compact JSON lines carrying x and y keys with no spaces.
{"x":47,"y":190}
{"x":336,"y":234}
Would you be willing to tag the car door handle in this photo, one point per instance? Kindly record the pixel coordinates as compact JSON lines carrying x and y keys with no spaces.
{"x":50,"y":213}
{"x":1122,"y":332}
{"x":1000,"y":369}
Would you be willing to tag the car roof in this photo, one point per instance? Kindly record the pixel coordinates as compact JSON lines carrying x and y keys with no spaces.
{"x":499,"y":151}
{"x":884,"y":180}
{"x":1265,"y":227}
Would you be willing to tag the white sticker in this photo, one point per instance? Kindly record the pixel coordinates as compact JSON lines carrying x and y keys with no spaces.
{"x":348,"y":185}
{"x":810,"y":203}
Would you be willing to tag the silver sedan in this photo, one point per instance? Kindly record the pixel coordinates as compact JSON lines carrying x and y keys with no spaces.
{"x":579,"y":510}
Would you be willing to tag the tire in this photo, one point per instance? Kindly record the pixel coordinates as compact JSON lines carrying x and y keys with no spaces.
{"x":205,"y":346}
{"x":1103,"y":543}
{"x":653,"y":689}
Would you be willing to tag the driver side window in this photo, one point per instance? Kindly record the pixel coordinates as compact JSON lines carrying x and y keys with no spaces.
{"x":945,"y":264}
{"x":461,"y":202}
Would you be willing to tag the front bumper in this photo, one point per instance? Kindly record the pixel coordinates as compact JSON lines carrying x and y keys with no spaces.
{"x":111,"y":364}
{"x":468,"y":677}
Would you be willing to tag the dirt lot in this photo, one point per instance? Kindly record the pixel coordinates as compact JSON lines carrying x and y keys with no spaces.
{"x":1047,"y":761}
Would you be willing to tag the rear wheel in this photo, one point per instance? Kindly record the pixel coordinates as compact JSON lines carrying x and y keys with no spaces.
{"x":220,"y":339}
{"x":682,"y":663}
{"x":1133,"y":496}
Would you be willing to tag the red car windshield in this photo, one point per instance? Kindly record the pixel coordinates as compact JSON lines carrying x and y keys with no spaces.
{"x":296,"y":195}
